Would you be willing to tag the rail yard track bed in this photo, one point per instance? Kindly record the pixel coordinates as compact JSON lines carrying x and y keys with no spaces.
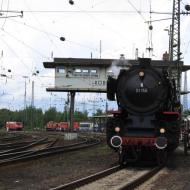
{"x":49,"y":172}
{"x":52,"y":171}
{"x":116,"y":180}
{"x":173,"y":177}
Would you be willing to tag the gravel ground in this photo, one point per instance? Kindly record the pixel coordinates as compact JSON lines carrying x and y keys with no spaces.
{"x":176,"y":176}
{"x":49,"y":172}
{"x":116,"y":180}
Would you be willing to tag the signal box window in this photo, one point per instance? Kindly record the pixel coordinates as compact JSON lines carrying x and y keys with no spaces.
{"x":85,"y":71}
{"x":110,"y":73}
{"x":60,"y":70}
{"x":93,"y":71}
{"x":77,"y":70}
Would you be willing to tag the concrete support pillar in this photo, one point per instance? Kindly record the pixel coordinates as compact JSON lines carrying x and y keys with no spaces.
{"x":72,"y":104}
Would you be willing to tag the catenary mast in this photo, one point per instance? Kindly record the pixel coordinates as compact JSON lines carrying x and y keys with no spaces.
{"x":175,"y":54}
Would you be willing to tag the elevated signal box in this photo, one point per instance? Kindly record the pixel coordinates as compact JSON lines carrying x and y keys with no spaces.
{"x":80,"y":75}
{"x":90,"y":75}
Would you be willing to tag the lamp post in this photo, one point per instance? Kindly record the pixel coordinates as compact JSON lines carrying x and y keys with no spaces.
{"x":33,"y":74}
{"x":32,"y":101}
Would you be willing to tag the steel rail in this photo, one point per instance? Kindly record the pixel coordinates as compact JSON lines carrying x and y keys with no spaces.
{"x":11,"y":138}
{"x":40,"y":141}
{"x":22,"y":153}
{"x":15,"y":144}
{"x":45,"y":152}
{"x":89,"y":179}
{"x":51,"y":144}
{"x":137,"y":182}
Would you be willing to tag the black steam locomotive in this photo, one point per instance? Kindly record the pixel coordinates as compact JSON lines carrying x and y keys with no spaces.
{"x":146,"y":125}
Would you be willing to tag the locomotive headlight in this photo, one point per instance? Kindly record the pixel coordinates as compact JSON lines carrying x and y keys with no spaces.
{"x":117,"y":129}
{"x":141,"y":74}
{"x":162,"y":130}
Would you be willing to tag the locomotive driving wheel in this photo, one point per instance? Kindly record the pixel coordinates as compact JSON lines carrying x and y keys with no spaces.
{"x":161,"y":157}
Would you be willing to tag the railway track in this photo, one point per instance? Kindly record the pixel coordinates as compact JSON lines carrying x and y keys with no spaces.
{"x":112,"y":178}
{"x":23,"y":154}
{"x":6,"y":146}
{"x":142,"y":179}
{"x":24,"y":147}
{"x":13,"y":136}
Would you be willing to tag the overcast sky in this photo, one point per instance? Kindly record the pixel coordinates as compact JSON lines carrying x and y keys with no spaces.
{"x":26,"y":42}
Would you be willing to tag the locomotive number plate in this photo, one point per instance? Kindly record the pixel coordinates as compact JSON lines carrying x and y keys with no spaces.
{"x":141,"y":90}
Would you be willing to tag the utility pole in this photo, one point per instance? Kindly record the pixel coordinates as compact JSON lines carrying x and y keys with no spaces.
{"x":32,"y":107}
{"x":175,"y":32}
{"x":185,"y":101}
{"x":72,"y":103}
{"x":83,"y":106}
{"x":25,"y":93}
{"x":32,"y":101}
{"x":175,"y":54}
{"x":25,"y":113}
{"x":33,"y":74}
{"x":100,"y":49}
{"x":33,"y":121}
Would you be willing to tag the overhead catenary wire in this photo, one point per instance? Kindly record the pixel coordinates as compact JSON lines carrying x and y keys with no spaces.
{"x":53,"y":35}
{"x":137,"y":11}
{"x":13,"y":51}
{"x":103,"y":24}
{"x":76,"y":43}
{"x":1,"y":5}
{"x":15,"y":76}
{"x":26,"y":45}
{"x":41,"y":25}
{"x":150,"y":29}
{"x":93,"y":14}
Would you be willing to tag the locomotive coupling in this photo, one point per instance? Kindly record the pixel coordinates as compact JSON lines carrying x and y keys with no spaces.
{"x":116,"y":141}
{"x":161,"y":142}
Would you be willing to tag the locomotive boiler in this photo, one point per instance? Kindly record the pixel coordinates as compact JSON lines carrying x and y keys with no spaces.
{"x":146,"y":125}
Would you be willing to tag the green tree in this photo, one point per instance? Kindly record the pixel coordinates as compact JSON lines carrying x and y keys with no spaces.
{"x":50,"y":115}
{"x":5,"y":115}
{"x":98,"y":112}
{"x":186,"y":112}
{"x":80,"y":116}
{"x":31,"y":117}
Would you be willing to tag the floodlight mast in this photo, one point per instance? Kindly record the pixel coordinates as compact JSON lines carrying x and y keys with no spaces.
{"x":175,"y":32}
